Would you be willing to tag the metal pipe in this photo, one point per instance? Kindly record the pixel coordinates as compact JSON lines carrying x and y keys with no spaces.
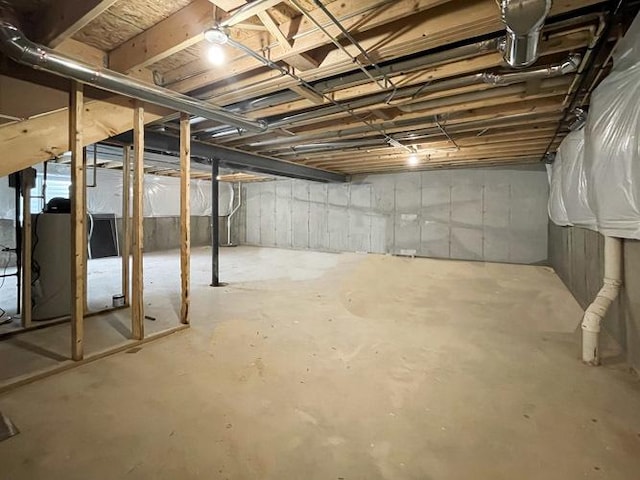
{"x":278,"y":143}
{"x":524,"y":20}
{"x":244,"y":12}
{"x":15,"y":45}
{"x":594,"y":52}
{"x":358,"y":78}
{"x":336,"y":104}
{"x":232,"y":214}
{"x":463,"y":98}
{"x":335,"y":41}
{"x":428,"y":88}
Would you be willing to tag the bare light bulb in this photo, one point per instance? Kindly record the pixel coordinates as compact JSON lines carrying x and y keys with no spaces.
{"x":413,"y":160}
{"x":215,"y":55}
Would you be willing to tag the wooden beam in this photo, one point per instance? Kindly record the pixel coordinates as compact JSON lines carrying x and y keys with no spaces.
{"x":310,"y":95}
{"x":126,"y":223}
{"x":185,"y":216}
{"x":27,"y":249}
{"x":137,"y":284}
{"x":175,"y":33}
{"x":64,"y":18}
{"x":433,"y":23}
{"x":228,"y":5}
{"x":47,"y":136}
{"x":250,"y":12}
{"x":83,"y":52}
{"x":78,"y":227}
{"x":271,"y":25}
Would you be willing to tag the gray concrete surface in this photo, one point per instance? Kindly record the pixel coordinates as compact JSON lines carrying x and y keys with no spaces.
{"x":314,"y":365}
{"x":577,"y":255}
{"x":492,"y":214}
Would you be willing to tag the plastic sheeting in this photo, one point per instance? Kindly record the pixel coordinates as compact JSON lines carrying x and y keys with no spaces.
{"x":161,"y":194}
{"x":574,"y":181}
{"x":612,"y":149}
{"x":596,"y":176}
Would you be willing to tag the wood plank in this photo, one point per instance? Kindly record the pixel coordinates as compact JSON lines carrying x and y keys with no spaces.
{"x":64,"y":18}
{"x":271,"y":25}
{"x":78,"y":227}
{"x":185,"y":217}
{"x":126,"y":223}
{"x":228,"y":5}
{"x":84,"y":52}
{"x":47,"y":136}
{"x":310,"y":95}
{"x":250,"y":12}
{"x":27,"y":250}
{"x":429,"y":28}
{"x":181,"y":30}
{"x":137,"y":284}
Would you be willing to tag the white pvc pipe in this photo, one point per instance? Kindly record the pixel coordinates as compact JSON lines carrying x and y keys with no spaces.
{"x":606,"y":296}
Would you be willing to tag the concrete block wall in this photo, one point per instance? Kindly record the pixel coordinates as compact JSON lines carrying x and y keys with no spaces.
{"x":577,"y":255}
{"x":490,"y":214}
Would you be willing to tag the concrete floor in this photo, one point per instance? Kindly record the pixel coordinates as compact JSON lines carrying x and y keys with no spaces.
{"x":326,"y":366}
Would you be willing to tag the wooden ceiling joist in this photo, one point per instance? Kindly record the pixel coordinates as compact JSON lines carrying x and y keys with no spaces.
{"x":175,"y":33}
{"x":64,"y":18}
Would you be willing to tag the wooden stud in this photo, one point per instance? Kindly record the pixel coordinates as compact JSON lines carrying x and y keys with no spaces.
{"x":126,"y":223}
{"x":137,"y":284}
{"x":27,"y":250}
{"x":185,"y":216}
{"x":78,"y":224}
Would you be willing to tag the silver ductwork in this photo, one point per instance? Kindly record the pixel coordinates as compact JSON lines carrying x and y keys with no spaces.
{"x":570,"y":65}
{"x":524,"y":20}
{"x":15,"y":45}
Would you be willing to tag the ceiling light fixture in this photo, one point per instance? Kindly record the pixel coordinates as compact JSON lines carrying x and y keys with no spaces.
{"x":216,"y":55}
{"x":217,"y":38}
{"x":413,"y":160}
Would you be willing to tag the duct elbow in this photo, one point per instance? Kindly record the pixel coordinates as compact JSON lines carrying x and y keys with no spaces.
{"x":524,"y":20}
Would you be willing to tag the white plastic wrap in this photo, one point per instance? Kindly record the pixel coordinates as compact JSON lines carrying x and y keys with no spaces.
{"x":557,"y":210}
{"x":574,"y":181}
{"x":161,"y":194}
{"x":612,"y":149}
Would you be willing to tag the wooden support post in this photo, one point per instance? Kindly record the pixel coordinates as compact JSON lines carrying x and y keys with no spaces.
{"x":137,"y":284}
{"x":185,"y":215}
{"x":27,"y":249}
{"x":126,"y":234}
{"x":78,"y":230}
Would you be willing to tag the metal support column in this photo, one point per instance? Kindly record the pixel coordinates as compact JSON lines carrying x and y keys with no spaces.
{"x":215,"y":234}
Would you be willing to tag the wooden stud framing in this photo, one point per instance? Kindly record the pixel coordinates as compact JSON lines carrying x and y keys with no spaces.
{"x":78,"y":227}
{"x":137,"y":284}
{"x":126,"y":222}
{"x":27,"y":248}
{"x":185,"y":216}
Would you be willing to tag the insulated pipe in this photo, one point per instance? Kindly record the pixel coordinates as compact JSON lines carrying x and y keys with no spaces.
{"x":596,"y":312}
{"x":524,"y":20}
{"x":15,"y":45}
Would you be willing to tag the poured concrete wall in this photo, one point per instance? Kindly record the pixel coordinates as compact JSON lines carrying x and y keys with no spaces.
{"x":577,"y":256}
{"x":492,"y":214}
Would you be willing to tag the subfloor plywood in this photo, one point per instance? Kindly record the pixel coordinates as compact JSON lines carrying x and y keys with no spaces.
{"x":326,"y":366}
